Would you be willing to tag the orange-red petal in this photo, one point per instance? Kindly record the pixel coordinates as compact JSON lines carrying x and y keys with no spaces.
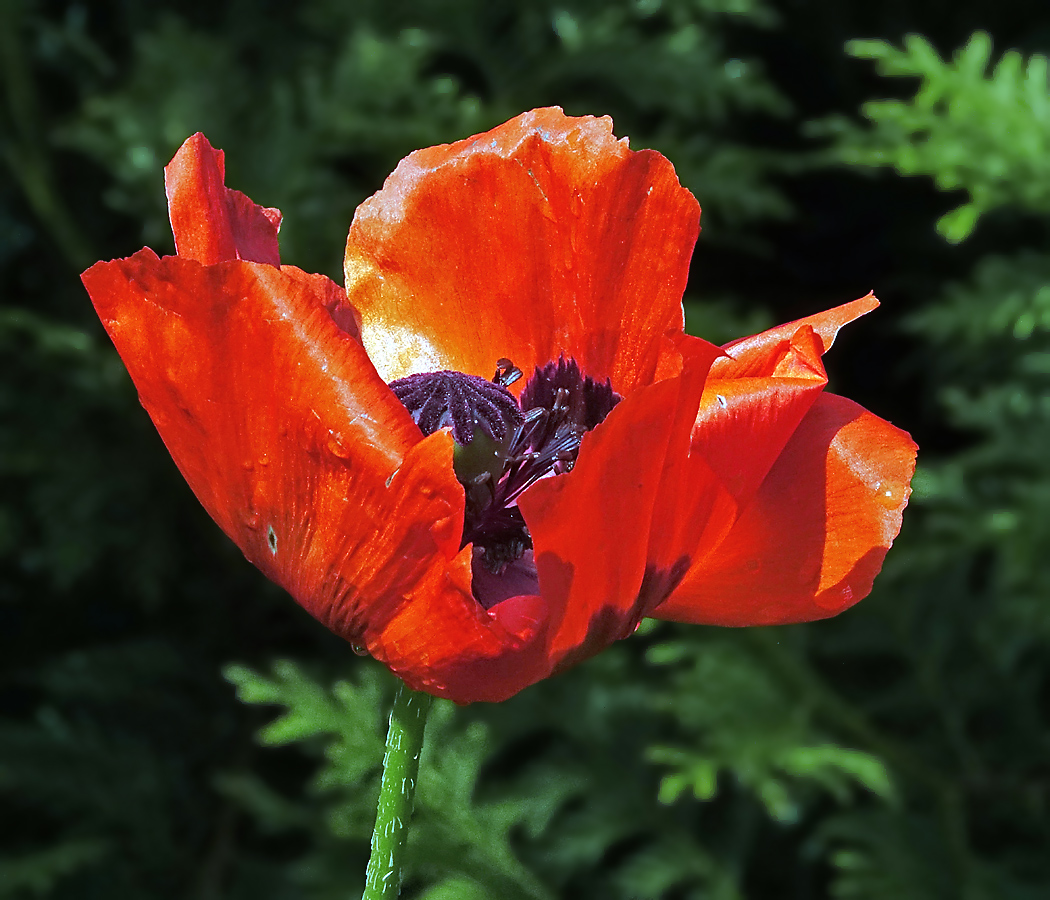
{"x":812,"y":540}
{"x":211,"y":222}
{"x":543,"y":236}
{"x":764,"y":354}
{"x":591,"y":528}
{"x":303,"y":456}
{"x":744,"y":422}
{"x":266,"y":406}
{"x":756,"y":395}
{"x":424,"y":622}
{"x":758,"y":400}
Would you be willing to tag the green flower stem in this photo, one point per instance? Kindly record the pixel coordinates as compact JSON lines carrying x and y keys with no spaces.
{"x":404,"y":740}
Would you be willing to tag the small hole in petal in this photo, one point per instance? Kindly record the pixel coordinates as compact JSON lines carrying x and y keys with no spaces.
{"x":271,"y":539}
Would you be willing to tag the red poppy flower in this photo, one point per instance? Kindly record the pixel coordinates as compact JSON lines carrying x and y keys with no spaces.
{"x":374,"y":451}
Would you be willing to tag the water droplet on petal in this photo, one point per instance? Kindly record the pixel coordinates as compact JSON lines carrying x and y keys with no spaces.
{"x":337,"y":448}
{"x":889,"y":495}
{"x":359,"y":649}
{"x":722,"y":401}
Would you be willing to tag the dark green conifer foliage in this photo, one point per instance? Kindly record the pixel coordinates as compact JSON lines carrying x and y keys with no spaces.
{"x":964,"y":641}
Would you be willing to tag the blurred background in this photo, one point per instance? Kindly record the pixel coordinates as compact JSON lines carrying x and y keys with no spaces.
{"x":172,"y":726}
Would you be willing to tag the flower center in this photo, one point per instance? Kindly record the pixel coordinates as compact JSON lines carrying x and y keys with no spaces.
{"x":502,"y":445}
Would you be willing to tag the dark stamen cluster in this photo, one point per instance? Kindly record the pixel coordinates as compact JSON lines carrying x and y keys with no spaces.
{"x":588,"y":401}
{"x":561,"y":405}
{"x":464,"y":402}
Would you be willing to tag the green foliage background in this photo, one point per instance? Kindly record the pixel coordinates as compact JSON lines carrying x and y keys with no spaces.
{"x":172,"y":726}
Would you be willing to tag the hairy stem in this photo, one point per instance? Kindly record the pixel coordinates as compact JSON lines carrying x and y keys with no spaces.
{"x":400,"y":768}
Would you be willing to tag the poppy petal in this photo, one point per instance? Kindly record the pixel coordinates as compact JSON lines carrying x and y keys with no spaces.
{"x":306,"y":459}
{"x":693,"y":507}
{"x":717,"y":466}
{"x":544,"y":236}
{"x":274,"y":415}
{"x":760,"y":355}
{"x":607,"y":501}
{"x":423,"y":621}
{"x":211,"y":222}
{"x":743,"y":423}
{"x":813,"y":539}
{"x":758,"y":392}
